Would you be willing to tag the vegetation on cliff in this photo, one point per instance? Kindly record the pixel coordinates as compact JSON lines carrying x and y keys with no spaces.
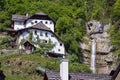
{"x":70,"y":16}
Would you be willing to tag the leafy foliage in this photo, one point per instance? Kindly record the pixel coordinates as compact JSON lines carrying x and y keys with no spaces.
{"x":18,"y":66}
{"x":43,"y":46}
{"x":115,"y":29}
{"x":116,"y":11}
{"x":115,"y":37}
{"x":70,"y":16}
{"x":4,"y":42}
{"x":82,"y":68}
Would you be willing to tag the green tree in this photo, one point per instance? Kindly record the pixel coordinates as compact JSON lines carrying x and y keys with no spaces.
{"x":4,"y":42}
{"x":116,"y":11}
{"x":43,"y":46}
{"x":71,"y":32}
{"x":115,"y":38}
{"x":70,"y":16}
{"x":115,"y":29}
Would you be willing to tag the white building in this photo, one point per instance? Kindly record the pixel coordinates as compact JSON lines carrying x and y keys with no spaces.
{"x":40,"y":25}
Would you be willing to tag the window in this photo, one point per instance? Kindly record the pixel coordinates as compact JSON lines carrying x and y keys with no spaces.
{"x":35,"y":21}
{"x":50,"y":22}
{"x":45,"y":41}
{"x":32,"y":23}
{"x":60,"y":44}
{"x":46,"y":34}
{"x":46,"y":22}
{"x":41,"y":34}
{"x":35,"y":32}
{"x":58,"y":49}
{"x":52,"y":35}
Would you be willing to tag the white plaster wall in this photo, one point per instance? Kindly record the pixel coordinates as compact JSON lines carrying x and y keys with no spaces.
{"x":22,"y":36}
{"x":32,"y":22}
{"x":56,"y":49}
{"x":18,"y":25}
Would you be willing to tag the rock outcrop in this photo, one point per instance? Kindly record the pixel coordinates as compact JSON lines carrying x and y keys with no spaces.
{"x":105,"y":60}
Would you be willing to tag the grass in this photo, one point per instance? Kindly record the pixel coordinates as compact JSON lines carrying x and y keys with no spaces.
{"x":23,"y":66}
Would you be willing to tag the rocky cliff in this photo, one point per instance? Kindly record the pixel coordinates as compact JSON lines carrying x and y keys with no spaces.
{"x":105,"y":59}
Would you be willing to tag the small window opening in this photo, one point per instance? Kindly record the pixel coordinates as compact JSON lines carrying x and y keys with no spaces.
{"x":45,"y":41}
{"x":41,"y":34}
{"x":50,"y":22}
{"x":46,"y":22}
{"x":46,"y":34}
{"x":60,"y":44}
{"x":35,"y":32}
{"x":52,"y":35}
{"x":58,"y":49}
{"x":32,"y":23}
{"x":35,"y":21}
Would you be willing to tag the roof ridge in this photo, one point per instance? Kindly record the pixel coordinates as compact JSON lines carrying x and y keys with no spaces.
{"x":41,"y":26}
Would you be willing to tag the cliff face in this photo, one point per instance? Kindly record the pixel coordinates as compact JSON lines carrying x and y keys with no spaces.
{"x":105,"y":60}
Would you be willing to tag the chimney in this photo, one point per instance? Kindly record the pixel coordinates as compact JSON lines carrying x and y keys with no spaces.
{"x":64,"y":69}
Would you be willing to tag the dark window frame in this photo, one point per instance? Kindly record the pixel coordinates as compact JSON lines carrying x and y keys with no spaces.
{"x":52,"y":35}
{"x":46,"y":34}
{"x":46,"y":22}
{"x":35,"y":32}
{"x":36,"y":21}
{"x":51,"y":22}
{"x":60,"y":44}
{"x":32,"y":23}
{"x":41,"y":34}
{"x":46,"y":41}
{"x":59,"y":50}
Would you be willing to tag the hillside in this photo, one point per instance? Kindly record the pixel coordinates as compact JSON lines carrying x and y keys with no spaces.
{"x":23,"y":66}
{"x":71,"y":17}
